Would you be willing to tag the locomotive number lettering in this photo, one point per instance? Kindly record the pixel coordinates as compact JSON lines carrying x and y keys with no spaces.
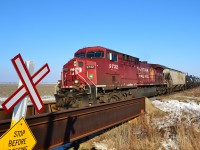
{"x":113,"y":66}
{"x":90,"y":67}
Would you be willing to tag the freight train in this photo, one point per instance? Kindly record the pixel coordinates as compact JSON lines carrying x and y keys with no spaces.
{"x":101,"y":75}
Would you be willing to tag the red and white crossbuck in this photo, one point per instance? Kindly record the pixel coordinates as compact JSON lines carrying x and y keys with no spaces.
{"x":28,"y":87}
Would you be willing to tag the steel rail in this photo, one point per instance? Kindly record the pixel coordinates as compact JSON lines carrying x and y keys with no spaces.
{"x":57,"y":128}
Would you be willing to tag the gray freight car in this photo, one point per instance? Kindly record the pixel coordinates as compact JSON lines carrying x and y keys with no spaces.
{"x":174,"y":79}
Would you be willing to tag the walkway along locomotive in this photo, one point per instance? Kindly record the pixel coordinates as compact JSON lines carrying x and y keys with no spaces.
{"x":101,"y":75}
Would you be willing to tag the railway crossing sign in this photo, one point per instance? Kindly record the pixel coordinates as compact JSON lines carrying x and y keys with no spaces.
{"x":18,"y":137}
{"x":28,"y":87}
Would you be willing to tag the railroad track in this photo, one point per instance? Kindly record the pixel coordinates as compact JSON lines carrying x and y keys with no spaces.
{"x":57,"y":128}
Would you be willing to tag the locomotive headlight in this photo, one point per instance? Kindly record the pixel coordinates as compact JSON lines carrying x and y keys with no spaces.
{"x":76,"y":81}
{"x":75,"y":63}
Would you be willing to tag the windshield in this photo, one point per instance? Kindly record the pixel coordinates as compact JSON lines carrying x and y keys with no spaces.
{"x":80,"y":55}
{"x":98,"y":54}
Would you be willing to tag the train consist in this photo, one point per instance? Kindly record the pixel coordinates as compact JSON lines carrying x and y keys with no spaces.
{"x":101,"y":75}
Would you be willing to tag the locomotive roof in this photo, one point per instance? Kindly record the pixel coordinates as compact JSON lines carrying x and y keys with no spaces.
{"x":159,"y":66}
{"x":85,"y":49}
{"x":97,"y":48}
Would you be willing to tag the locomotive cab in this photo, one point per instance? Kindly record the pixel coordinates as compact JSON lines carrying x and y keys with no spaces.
{"x":79,"y":78}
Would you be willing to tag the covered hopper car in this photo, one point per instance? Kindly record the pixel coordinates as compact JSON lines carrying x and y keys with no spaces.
{"x":101,"y":75}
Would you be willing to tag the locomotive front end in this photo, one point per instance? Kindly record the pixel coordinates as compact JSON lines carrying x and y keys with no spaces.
{"x":71,"y":75}
{"x":72,"y":85}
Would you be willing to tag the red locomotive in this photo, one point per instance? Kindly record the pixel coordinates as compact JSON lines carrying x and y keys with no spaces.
{"x":100,"y":75}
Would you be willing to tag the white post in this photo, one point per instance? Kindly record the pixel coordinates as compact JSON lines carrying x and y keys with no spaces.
{"x":21,"y":108}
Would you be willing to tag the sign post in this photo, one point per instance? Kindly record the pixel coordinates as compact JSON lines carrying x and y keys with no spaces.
{"x":21,"y":108}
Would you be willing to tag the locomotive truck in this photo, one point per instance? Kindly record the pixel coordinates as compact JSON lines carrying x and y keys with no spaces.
{"x":101,"y":75}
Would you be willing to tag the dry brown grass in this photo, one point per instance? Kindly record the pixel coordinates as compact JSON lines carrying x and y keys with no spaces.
{"x":140,"y":134}
{"x":188,"y":137}
{"x":192,"y":92}
{"x":135,"y":135}
{"x":46,"y":89}
{"x":7,"y":89}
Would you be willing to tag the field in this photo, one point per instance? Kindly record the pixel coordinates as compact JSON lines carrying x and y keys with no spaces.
{"x":46,"y":91}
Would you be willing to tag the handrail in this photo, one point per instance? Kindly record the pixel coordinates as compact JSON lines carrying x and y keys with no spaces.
{"x":85,"y":81}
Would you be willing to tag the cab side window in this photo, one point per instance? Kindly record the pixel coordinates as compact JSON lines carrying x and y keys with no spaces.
{"x":112,"y":56}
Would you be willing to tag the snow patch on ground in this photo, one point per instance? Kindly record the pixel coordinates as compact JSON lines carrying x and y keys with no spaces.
{"x":103,"y":145}
{"x":169,"y":144}
{"x":48,"y":98}
{"x":189,"y":97}
{"x":178,"y":112}
{"x":100,"y":146}
{"x":2,"y":99}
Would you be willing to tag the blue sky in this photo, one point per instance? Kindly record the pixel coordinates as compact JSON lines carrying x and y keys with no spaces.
{"x":166,"y":32}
